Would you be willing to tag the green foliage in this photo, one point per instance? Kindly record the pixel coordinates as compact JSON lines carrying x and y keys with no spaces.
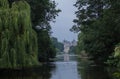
{"x":46,"y":49}
{"x":4,"y":4}
{"x":58,"y":45}
{"x":42,"y":12}
{"x":114,"y":61}
{"x":80,"y":43}
{"x":72,"y":50}
{"x":117,"y":55}
{"x":117,"y":51}
{"x":98,"y":23}
{"x":116,"y":75}
{"x":18,"y":44}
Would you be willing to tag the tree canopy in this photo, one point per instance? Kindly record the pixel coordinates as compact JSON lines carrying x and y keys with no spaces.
{"x":18,"y":41}
{"x":98,"y":24}
{"x":42,"y":13}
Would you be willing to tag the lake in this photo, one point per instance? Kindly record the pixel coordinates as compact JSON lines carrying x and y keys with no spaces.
{"x":59,"y":70}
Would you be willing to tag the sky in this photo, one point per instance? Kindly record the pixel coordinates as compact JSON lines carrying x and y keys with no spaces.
{"x":61,"y":28}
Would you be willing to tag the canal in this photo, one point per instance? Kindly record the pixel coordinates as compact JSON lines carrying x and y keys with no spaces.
{"x":71,"y":69}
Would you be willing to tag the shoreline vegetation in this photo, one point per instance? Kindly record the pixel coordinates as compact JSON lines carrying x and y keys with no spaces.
{"x":98,"y":26}
{"x":22,"y":43}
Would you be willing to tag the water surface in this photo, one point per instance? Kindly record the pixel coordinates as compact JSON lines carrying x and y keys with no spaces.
{"x":59,"y":70}
{"x":65,"y":70}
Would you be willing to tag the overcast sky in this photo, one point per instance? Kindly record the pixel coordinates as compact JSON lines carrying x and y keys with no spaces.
{"x":64,"y":21}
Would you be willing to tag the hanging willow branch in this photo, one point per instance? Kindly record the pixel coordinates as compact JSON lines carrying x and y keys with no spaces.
{"x":18,"y":44}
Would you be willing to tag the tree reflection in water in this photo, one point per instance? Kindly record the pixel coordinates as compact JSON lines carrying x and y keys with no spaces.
{"x":42,"y":72}
{"x":88,"y":71}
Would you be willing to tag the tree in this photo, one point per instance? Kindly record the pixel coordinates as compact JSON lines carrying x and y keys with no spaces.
{"x":58,"y":45}
{"x":46,"y":49}
{"x":72,"y":50}
{"x":18,"y":41}
{"x":42,"y":13}
{"x":117,"y":62}
{"x":98,"y":23}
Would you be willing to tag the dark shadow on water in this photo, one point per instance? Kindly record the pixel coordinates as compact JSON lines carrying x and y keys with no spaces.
{"x":88,"y":71}
{"x":40,"y":72}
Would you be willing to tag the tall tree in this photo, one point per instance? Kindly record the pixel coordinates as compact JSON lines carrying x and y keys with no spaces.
{"x":42,"y":13}
{"x":46,"y":49}
{"x":18,"y":41}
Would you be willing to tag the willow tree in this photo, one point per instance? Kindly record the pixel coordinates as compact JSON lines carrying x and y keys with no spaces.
{"x":18,"y":42}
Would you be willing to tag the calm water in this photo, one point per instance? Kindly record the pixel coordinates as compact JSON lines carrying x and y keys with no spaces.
{"x":65,"y":70}
{"x":59,"y":70}
{"x":91,"y":71}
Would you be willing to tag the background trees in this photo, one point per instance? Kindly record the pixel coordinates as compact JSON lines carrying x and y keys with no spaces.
{"x":46,"y":50}
{"x":58,"y":45}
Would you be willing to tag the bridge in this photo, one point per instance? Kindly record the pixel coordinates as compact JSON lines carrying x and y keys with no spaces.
{"x":68,"y":54}
{"x":66,"y":57}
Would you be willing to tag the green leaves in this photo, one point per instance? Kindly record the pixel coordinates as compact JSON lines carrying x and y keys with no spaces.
{"x":4,"y":4}
{"x":117,"y":51}
{"x":98,"y":24}
{"x":42,"y":12}
{"x":17,"y":38}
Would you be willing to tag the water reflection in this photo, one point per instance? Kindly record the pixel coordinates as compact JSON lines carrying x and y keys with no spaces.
{"x":88,"y":71}
{"x":59,"y":70}
{"x":65,"y":70}
{"x":43,"y":72}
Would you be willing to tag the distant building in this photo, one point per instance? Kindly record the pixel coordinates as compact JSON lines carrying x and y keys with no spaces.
{"x":68,"y":44}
